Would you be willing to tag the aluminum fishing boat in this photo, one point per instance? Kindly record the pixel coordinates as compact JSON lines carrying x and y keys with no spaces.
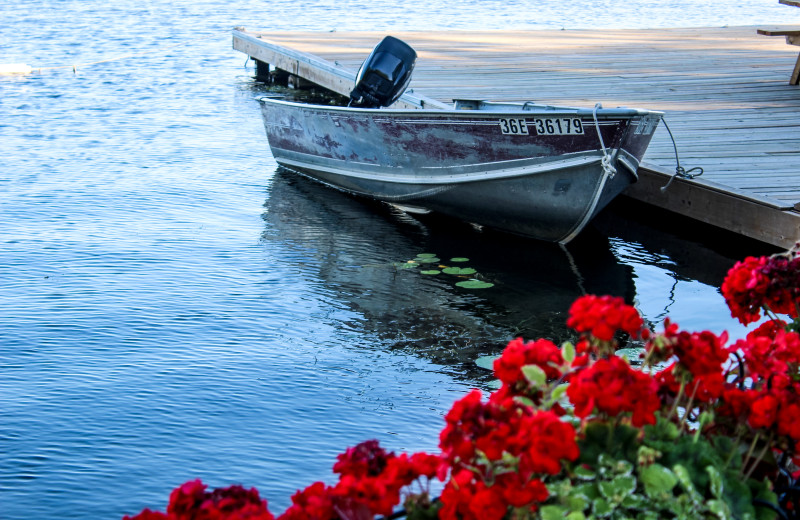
{"x":535,"y":170}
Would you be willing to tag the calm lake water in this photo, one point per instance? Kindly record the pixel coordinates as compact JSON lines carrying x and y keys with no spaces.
{"x":173,"y":307}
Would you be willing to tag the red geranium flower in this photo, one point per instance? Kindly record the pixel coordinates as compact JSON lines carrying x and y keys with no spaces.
{"x":767,"y":356}
{"x":543,"y":353}
{"x":764,"y":411}
{"x":612,"y":387}
{"x":312,"y":503}
{"x":147,"y":514}
{"x":191,"y":501}
{"x":765,"y":282}
{"x":767,"y":329}
{"x":603,"y":316}
{"x":366,"y":458}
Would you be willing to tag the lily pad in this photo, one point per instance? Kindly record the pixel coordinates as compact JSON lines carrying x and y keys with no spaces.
{"x":431,"y":271}
{"x":459,"y":259}
{"x":427,"y":259}
{"x":406,"y":265}
{"x":486,"y":362}
{"x":459,"y":270}
{"x":426,"y":255}
{"x":474,"y":284}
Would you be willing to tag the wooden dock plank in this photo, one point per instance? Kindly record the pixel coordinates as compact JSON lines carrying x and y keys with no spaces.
{"x":724,"y":91}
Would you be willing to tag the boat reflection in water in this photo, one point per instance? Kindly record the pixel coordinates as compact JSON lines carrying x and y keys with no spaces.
{"x":357,"y":251}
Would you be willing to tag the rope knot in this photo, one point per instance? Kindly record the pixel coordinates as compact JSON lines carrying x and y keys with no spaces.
{"x":608,"y":168}
{"x":606,"y":161}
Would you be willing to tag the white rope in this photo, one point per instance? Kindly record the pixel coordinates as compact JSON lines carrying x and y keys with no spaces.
{"x":608,"y":173}
{"x":608,"y":167}
{"x":679,"y":170}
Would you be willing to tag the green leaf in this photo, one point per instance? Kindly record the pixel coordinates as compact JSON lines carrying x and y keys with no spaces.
{"x":616,"y":490}
{"x":685,"y":480}
{"x":663,"y":430}
{"x":555,"y":395}
{"x":486,"y":362}
{"x":430,"y":271}
{"x":459,"y":259}
{"x":535,"y":375}
{"x":584,"y":473}
{"x":633,"y":501}
{"x":602,"y":508}
{"x":406,"y":265}
{"x":624,"y":485}
{"x":604,"y":440}
{"x":578,"y":501}
{"x":720,"y":509}
{"x":426,"y":255}
{"x":427,"y":259}
{"x":553,"y":512}
{"x":657,"y":480}
{"x":607,"y":490}
{"x":459,"y":271}
{"x":623,"y":468}
{"x":715,"y":481}
{"x":474,"y":284}
{"x":577,"y":515}
{"x":738,"y":495}
{"x":525,"y":401}
{"x":568,"y":352}
{"x":559,"y":391}
{"x":761,"y":490}
{"x":588,"y":490}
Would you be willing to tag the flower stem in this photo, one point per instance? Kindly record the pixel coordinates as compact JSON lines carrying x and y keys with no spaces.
{"x":750,"y":451}
{"x":689,"y":407}
{"x":739,"y":434}
{"x":760,"y":456}
{"x":677,"y":400}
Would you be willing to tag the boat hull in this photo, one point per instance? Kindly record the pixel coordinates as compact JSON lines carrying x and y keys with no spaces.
{"x":519,"y":170}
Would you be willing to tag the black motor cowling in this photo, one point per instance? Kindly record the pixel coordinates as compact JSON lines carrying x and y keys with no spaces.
{"x":384,"y":75}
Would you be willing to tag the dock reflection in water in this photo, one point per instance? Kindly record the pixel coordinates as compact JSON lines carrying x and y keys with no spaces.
{"x":360,"y":248}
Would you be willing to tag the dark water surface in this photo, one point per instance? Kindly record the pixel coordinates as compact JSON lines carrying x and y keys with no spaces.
{"x":173,"y":307}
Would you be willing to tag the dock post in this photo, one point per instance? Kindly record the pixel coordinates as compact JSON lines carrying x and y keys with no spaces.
{"x":262,"y":71}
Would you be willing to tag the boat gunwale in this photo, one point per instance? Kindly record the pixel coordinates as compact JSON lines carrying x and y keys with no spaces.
{"x":514,"y":108}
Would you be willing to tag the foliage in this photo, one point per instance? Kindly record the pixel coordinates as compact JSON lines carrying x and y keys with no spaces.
{"x":699,"y":430}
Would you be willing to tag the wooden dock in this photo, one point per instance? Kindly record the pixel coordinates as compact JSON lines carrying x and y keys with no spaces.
{"x":725,"y":92}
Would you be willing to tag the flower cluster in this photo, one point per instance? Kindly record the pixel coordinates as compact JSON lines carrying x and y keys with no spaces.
{"x":601,"y":317}
{"x":699,"y":361}
{"x":543,"y":354}
{"x":371,"y":481}
{"x":771,"y":284}
{"x":770,"y":401}
{"x":700,"y":429}
{"x":497,"y":450}
{"x":192,"y":501}
{"x":612,"y":387}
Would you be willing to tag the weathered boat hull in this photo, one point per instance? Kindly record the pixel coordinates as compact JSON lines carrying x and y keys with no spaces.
{"x":535,"y":171}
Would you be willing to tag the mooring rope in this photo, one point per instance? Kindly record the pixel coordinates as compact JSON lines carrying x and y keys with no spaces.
{"x":608,"y":168}
{"x":679,"y":170}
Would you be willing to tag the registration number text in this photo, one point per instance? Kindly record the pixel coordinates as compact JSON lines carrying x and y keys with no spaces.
{"x":542,"y":126}
{"x":514,"y":126}
{"x":558,"y":125}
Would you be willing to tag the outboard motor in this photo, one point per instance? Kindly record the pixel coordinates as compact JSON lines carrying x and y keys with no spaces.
{"x":384,"y":75}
